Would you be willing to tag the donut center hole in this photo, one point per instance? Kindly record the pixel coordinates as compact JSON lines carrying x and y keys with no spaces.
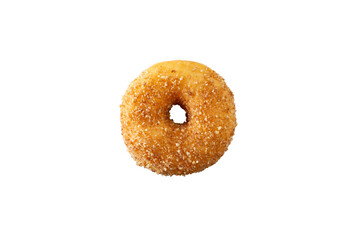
{"x":177,"y":114}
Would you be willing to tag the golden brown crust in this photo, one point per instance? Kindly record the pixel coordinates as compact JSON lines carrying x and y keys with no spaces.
{"x":168,"y":148}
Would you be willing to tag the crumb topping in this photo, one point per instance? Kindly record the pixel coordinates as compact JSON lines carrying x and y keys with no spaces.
{"x":169,"y":148}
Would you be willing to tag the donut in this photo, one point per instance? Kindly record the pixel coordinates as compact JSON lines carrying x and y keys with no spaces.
{"x":158,"y":143}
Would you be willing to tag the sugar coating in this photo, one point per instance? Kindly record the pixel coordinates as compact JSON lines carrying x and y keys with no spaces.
{"x":166,"y":147}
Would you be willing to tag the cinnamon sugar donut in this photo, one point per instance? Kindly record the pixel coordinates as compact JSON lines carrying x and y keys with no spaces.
{"x":169,"y":148}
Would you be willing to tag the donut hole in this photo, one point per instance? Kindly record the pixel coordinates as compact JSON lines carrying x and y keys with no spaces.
{"x":178,"y":114}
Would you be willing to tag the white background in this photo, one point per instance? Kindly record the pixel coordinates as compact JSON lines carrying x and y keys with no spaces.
{"x":291,"y":172}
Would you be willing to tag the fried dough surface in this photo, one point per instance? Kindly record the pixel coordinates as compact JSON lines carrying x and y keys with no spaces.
{"x":155,"y":141}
